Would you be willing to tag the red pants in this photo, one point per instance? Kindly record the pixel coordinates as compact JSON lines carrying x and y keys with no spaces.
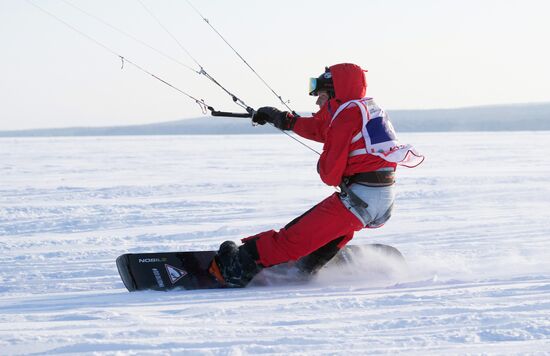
{"x":325,"y":222}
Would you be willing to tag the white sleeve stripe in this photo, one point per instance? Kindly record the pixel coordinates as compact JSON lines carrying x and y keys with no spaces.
{"x":357,"y":137}
{"x":354,"y":153}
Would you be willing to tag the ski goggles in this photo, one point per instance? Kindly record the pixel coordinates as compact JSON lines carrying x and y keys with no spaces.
{"x":313,"y":86}
{"x":323,"y":83}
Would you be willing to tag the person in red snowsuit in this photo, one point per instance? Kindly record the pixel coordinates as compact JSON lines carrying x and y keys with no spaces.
{"x":366,"y":181}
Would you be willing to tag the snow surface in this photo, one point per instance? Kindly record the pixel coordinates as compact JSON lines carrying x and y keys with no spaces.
{"x":472,"y":221}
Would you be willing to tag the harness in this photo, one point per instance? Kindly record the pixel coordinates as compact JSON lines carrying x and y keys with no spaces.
{"x":373,"y":179}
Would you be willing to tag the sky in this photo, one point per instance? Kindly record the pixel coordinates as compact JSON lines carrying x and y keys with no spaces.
{"x":419,"y":54}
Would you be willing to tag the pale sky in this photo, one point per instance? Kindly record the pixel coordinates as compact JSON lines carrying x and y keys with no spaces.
{"x":420,"y":54}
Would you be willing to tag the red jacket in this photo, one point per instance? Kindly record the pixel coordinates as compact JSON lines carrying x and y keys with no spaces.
{"x":334,"y":164}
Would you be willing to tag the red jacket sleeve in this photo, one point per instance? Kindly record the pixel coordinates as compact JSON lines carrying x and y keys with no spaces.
{"x":310,"y":127}
{"x":315,"y":127}
{"x":334,"y":158}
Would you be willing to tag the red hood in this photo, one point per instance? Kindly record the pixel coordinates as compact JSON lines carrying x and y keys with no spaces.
{"x":349,"y":82}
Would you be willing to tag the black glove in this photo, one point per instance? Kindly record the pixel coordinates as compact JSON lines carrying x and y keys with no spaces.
{"x":280,"y":119}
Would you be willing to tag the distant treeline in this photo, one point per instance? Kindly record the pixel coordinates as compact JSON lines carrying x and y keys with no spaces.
{"x":516,"y":117}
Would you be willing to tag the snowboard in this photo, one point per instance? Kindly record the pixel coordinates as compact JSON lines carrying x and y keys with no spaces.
{"x":165,"y":271}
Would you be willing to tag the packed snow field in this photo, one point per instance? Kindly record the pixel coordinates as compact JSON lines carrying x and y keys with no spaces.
{"x":472,"y":222}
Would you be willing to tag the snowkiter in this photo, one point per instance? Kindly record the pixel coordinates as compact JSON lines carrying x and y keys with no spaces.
{"x":360,"y":155}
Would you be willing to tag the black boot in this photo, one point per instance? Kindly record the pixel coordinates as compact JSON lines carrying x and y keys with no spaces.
{"x":236,"y":266}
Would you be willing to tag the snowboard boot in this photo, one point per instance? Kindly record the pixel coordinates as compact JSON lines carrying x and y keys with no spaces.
{"x":235,"y":266}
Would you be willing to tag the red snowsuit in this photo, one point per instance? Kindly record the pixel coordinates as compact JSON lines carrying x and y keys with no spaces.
{"x":329,"y":219}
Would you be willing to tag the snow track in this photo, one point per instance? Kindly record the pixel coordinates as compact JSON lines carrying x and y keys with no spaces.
{"x":472,"y":222}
